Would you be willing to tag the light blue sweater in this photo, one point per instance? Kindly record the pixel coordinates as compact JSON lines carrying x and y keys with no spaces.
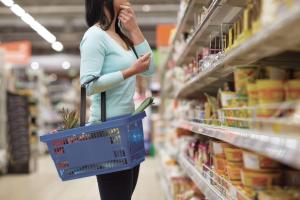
{"x":102,"y":55}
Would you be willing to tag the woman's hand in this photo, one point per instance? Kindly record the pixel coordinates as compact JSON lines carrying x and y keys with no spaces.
{"x":140,"y":66}
{"x":128,"y":18}
{"x":129,"y":23}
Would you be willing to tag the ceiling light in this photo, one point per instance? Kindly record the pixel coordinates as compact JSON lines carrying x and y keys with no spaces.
{"x":57,"y":46}
{"x":66,"y":65}
{"x":35,"y":65}
{"x":44,"y":33}
{"x":40,"y":29}
{"x":28,"y":19}
{"x":18,"y":10}
{"x":146,"y":8}
{"x":7,"y":3}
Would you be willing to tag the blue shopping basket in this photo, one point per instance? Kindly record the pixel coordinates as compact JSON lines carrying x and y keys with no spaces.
{"x":113,"y":145}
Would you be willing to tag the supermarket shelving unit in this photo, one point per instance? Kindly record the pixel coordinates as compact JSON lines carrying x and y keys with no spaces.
{"x":266,"y":43}
{"x":212,"y":185}
{"x":219,"y":11}
{"x":185,"y":22}
{"x":272,"y":45}
{"x":208,"y":190}
{"x":282,"y":148}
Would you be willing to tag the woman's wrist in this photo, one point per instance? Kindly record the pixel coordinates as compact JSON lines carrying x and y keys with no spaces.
{"x":137,"y":36}
{"x":127,"y":73}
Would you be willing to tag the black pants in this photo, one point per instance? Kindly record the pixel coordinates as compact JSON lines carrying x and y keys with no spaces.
{"x":118,"y":185}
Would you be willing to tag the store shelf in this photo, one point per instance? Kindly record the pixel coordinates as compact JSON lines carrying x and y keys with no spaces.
{"x":218,"y":12}
{"x":283,"y":148}
{"x":210,"y":192}
{"x":188,"y":16}
{"x":182,"y":24}
{"x":270,"y":41}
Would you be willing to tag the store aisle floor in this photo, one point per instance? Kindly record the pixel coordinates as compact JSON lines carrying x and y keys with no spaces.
{"x":45,"y":185}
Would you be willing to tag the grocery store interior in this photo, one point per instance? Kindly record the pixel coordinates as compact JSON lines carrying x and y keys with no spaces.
{"x":223,"y":106}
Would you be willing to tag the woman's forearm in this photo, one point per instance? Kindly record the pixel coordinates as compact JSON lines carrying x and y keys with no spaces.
{"x":137,"y":36}
{"x":127,"y":73}
{"x":103,"y":83}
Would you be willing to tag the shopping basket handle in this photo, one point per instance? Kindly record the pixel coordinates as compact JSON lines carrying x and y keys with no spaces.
{"x":83,"y":102}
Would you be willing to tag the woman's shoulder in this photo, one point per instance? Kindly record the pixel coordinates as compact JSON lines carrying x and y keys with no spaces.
{"x":94,"y":34}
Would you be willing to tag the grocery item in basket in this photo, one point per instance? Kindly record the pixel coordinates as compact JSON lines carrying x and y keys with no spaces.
{"x":292,"y":90}
{"x":218,"y":148}
{"x":279,"y":194}
{"x":233,"y":171}
{"x":269,"y":91}
{"x":254,"y":161}
{"x":260,"y":180}
{"x":242,"y":76}
{"x":219,"y":164}
{"x":233,"y":154}
{"x":145,"y":104}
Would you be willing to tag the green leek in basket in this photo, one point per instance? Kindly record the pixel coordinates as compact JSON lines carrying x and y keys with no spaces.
{"x":145,"y":104}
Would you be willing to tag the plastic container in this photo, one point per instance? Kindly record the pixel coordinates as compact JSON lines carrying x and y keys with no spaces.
{"x":114,"y":145}
{"x":269,"y":91}
{"x":292,"y":90}
{"x":242,"y":76}
{"x":260,"y":180}
{"x":233,"y":154}
{"x":279,"y":194}
{"x":218,"y":148}
{"x":252,"y":94}
{"x":253,"y":161}
{"x":233,"y":171}
{"x":219,"y":164}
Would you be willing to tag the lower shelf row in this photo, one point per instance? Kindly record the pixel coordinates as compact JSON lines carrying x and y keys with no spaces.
{"x":220,"y":171}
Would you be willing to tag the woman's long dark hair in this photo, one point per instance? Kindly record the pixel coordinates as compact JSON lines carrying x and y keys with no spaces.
{"x":95,"y":14}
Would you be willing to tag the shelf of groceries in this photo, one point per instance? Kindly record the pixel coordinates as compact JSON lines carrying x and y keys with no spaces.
{"x":282,"y":148}
{"x":207,"y":168}
{"x":226,"y":34}
{"x":233,"y":85}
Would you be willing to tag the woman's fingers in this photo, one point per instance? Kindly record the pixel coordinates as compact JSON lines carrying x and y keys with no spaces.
{"x":125,"y":13}
{"x":146,"y":56}
{"x":124,"y":17}
{"x":124,"y":6}
{"x":127,"y":8}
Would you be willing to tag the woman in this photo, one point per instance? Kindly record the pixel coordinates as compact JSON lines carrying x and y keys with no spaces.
{"x":107,"y":52}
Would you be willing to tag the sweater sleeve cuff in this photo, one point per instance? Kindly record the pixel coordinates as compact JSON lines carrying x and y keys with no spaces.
{"x":142,"y":48}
